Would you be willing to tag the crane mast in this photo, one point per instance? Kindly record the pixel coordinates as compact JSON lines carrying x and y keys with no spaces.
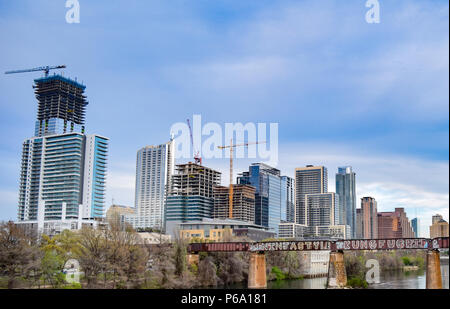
{"x":230,"y":191}
{"x":197,"y":158}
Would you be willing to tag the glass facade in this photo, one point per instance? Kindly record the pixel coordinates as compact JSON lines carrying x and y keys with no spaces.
{"x":99,"y":177}
{"x":345,"y":188}
{"x":415,"y":226}
{"x":54,"y":173}
{"x":63,"y":173}
{"x":54,"y":126}
{"x":272,"y":198}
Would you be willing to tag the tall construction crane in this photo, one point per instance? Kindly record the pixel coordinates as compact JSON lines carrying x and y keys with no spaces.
{"x":197,"y":157}
{"x":46,"y":69}
{"x":230,"y":192}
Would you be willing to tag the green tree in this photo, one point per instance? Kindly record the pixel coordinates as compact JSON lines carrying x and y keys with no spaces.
{"x":180,"y":257}
{"x":52,"y":265}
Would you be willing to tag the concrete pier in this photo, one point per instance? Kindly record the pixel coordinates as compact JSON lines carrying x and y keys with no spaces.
{"x":434,"y":278}
{"x":257,"y":271}
{"x":337,"y":277}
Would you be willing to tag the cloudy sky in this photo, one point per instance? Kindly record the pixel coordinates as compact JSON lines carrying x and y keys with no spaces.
{"x":344,"y":92}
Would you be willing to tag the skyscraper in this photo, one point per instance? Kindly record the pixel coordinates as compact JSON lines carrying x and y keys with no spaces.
{"x":439,"y":227}
{"x":61,"y":105}
{"x":394,"y":224}
{"x":288,"y":197}
{"x":272,"y":197}
{"x":436,"y":218}
{"x":63,"y":173}
{"x":154,"y":168}
{"x":359,"y":223}
{"x":345,"y":188}
{"x":191,"y":195}
{"x":308,"y":180}
{"x":322,"y":209}
{"x":243,"y":203}
{"x":415,"y":223}
{"x":369,"y":218}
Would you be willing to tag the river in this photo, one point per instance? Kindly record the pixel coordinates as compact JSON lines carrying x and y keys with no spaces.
{"x":388,"y":280}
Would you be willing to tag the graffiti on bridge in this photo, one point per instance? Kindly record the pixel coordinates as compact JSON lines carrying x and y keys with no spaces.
{"x":354,"y":244}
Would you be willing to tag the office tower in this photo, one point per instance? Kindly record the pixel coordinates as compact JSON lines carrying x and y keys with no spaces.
{"x":243,"y":203}
{"x":270,"y":203}
{"x":369,"y":218}
{"x":63,"y":172}
{"x":359,"y":223}
{"x":154,"y":168}
{"x":436,"y":218}
{"x":308,"y":180}
{"x":415,"y":226}
{"x":61,"y":105}
{"x":439,"y":227}
{"x":191,"y":195}
{"x":394,"y":224}
{"x":322,"y":209}
{"x":288,"y":197}
{"x":345,"y":188}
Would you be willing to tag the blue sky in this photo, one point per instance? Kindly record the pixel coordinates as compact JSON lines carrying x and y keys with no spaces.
{"x":344,"y":92}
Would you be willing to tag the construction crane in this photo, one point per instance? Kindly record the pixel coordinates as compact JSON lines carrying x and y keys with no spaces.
{"x":197,"y":157}
{"x":230,"y":192}
{"x":46,"y":69}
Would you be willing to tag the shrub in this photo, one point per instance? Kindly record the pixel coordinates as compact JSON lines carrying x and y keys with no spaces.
{"x":278,"y":273}
{"x":357,"y":282}
{"x":407,"y":261}
{"x":73,"y":285}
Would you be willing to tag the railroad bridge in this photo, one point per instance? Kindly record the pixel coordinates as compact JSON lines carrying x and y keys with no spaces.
{"x":336,"y":271}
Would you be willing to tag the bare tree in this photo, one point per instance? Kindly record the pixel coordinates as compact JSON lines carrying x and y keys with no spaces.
{"x":19,"y":254}
{"x":93,"y":254}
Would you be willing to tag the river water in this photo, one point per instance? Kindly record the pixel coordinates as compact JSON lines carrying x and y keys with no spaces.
{"x":388,"y":280}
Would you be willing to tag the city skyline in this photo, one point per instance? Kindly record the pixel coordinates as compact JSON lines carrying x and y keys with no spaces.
{"x":396,"y":140}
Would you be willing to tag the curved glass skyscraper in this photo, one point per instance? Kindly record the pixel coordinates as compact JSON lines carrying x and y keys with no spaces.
{"x":345,"y":188}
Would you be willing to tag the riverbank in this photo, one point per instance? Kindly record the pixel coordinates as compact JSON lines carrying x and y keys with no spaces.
{"x":410,"y":268}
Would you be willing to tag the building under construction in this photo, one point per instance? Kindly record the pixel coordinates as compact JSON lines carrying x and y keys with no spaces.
{"x":243,"y":203}
{"x":191,"y":195}
{"x":61,"y":105}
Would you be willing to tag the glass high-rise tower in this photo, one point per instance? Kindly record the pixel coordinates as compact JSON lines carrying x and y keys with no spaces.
{"x":273,"y":197}
{"x":154,"y":168}
{"x":345,"y":188}
{"x":63,"y":172}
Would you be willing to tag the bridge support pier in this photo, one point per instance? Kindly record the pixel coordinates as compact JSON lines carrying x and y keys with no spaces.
{"x":337,"y":277}
{"x":192,"y":258}
{"x":257,"y":271}
{"x":434,"y":278}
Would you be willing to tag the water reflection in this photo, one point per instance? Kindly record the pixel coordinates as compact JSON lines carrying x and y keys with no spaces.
{"x":389,"y":280}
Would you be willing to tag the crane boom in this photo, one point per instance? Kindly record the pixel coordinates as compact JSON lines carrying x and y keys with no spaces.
{"x":46,"y":69}
{"x":230,"y":191}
